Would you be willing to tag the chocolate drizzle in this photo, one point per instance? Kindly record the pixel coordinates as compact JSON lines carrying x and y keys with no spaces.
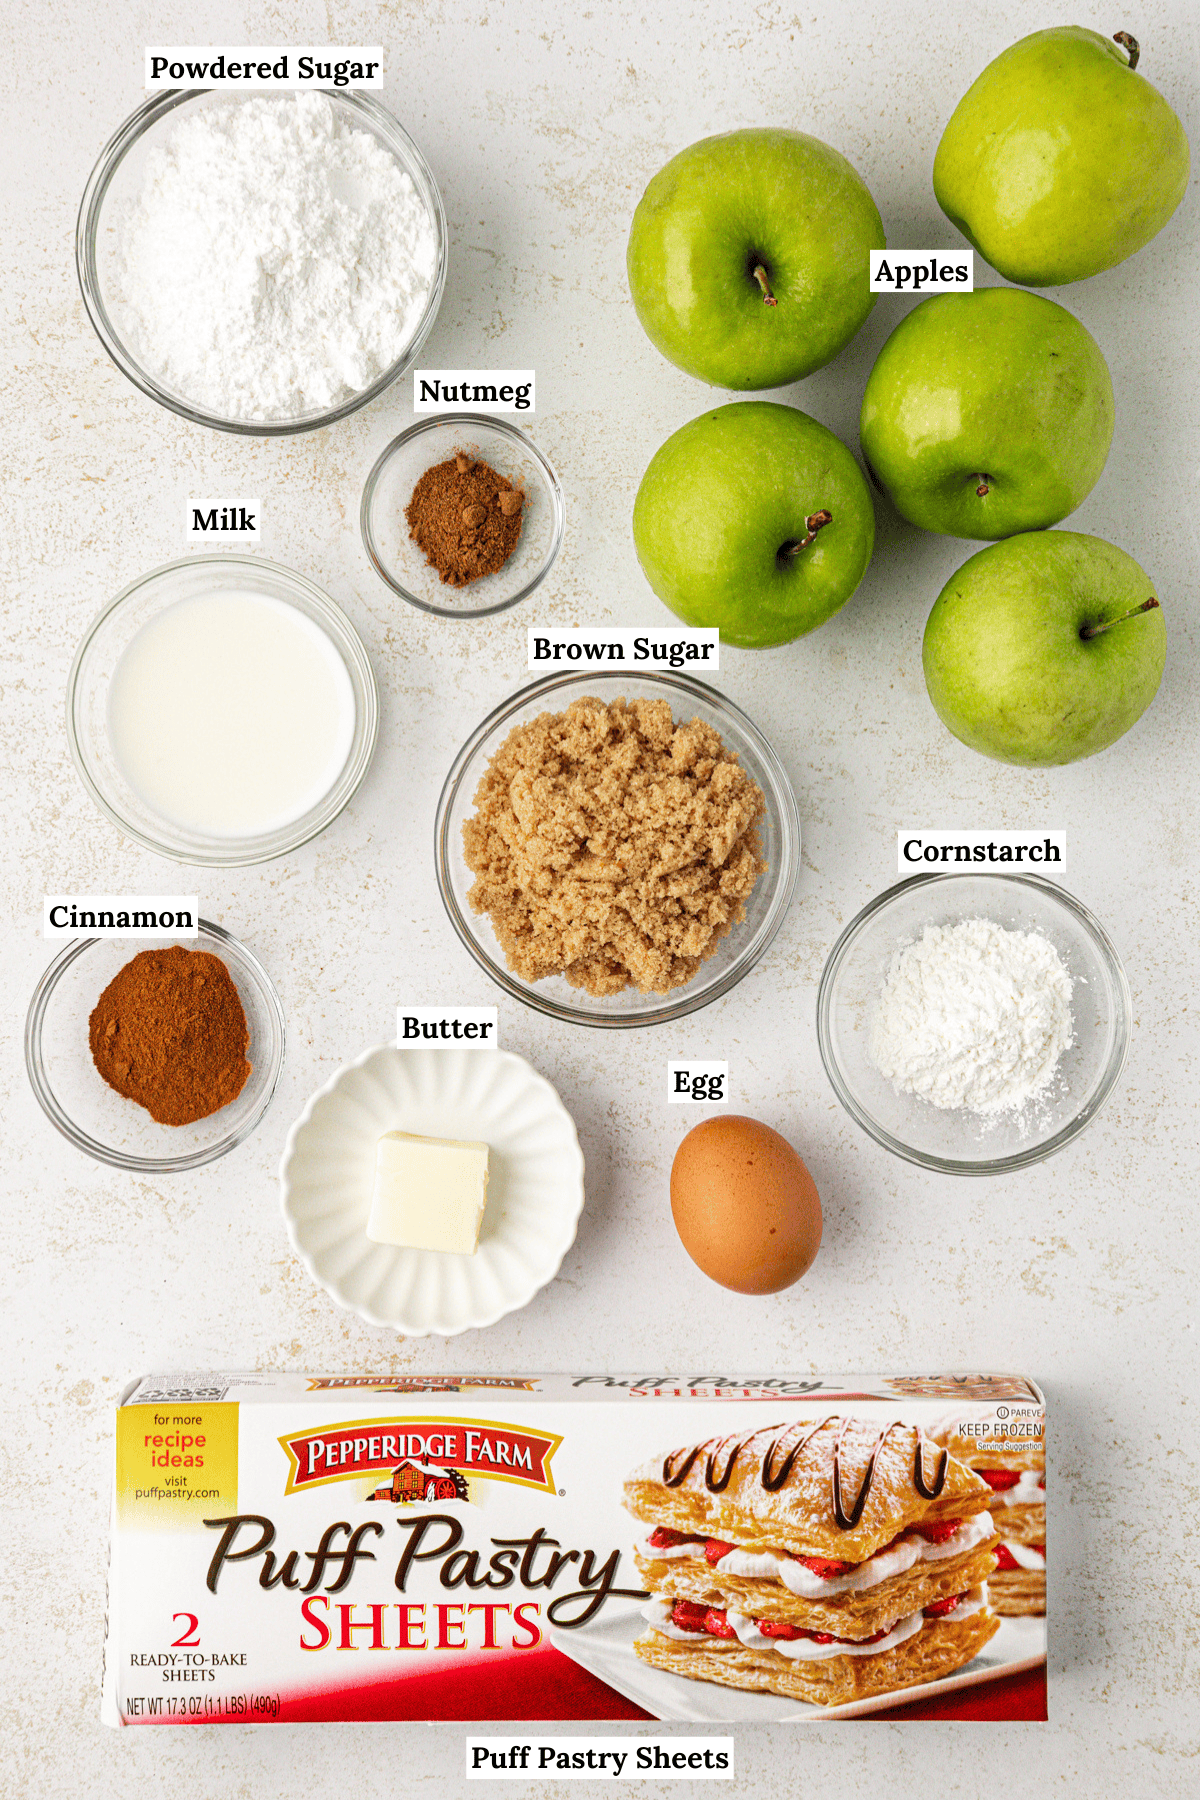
{"x":678,"y":1464}
{"x":675,"y":1474}
{"x":846,"y":1521}
{"x":674,"y":1477}
{"x":715,"y":1484}
{"x":773,"y":1479}
{"x":939,"y":1476}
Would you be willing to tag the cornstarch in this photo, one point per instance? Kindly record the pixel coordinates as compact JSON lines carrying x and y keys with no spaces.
{"x":276,"y":260}
{"x":974,"y":1016}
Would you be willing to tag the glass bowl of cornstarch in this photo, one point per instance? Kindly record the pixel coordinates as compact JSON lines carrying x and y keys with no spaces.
{"x":973,"y":1023}
{"x":262,"y":264}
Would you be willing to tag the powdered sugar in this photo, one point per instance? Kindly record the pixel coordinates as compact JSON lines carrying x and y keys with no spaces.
{"x":276,"y":261}
{"x":973,"y":1015}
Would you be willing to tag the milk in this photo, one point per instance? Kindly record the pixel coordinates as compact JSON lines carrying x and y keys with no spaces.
{"x":231,"y":714}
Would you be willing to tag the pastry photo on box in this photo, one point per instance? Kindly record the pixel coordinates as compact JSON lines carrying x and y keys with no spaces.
{"x":841,"y":1559}
{"x":825,"y":1561}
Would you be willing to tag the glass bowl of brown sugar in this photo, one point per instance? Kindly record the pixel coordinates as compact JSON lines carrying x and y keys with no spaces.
{"x":730,"y":956}
{"x":92,"y":1114}
{"x":451,"y":482}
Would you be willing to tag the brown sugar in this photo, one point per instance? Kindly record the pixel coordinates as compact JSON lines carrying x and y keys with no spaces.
{"x":612,"y":846}
{"x":169,"y":1031}
{"x":466,"y":518}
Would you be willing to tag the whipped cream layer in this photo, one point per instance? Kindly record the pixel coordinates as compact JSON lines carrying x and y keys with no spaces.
{"x":777,"y":1565}
{"x":658,"y":1614}
{"x":1026,"y":1492}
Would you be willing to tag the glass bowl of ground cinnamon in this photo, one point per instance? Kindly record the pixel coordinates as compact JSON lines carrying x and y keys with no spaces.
{"x":616,"y":849}
{"x":462,"y":515}
{"x":155,"y":1055}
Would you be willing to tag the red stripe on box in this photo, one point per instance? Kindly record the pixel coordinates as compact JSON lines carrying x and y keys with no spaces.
{"x":537,"y":1684}
{"x":1020,"y":1696}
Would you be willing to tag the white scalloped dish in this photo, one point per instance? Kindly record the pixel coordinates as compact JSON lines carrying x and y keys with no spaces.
{"x":535,"y":1185}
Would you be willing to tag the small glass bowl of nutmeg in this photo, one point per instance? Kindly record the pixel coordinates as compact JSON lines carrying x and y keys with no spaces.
{"x":412,"y":497}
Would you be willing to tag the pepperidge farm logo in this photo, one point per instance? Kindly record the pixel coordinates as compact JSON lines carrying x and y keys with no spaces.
{"x":486,"y":1448}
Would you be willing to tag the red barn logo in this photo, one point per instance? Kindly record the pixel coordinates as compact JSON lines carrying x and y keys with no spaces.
{"x":456,"y":1448}
{"x":410,"y":1485}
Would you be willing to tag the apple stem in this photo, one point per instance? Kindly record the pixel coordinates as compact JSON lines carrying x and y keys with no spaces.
{"x":983,"y":490}
{"x":1128,"y":43}
{"x":760,"y":275}
{"x":1091,"y":631}
{"x":815,"y":522}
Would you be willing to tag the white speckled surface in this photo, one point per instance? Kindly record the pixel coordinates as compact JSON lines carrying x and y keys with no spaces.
{"x":542,"y":124}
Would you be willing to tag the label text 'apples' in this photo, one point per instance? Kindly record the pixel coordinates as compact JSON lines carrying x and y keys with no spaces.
{"x":922,"y":271}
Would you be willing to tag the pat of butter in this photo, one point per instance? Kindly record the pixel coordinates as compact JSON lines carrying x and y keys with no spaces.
{"x":429,"y":1193}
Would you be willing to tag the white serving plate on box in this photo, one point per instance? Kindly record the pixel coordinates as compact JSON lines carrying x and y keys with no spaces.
{"x":535,"y":1185}
{"x":605,"y":1648}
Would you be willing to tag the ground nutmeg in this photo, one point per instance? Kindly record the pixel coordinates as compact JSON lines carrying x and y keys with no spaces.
{"x":465,"y":517}
{"x":169,"y":1031}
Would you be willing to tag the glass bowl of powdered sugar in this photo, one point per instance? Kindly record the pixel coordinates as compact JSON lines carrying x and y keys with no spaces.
{"x":973,"y":1023}
{"x":261,"y":264}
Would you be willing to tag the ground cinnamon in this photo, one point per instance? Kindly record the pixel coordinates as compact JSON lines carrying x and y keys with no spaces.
{"x":466,"y":518}
{"x":169,"y":1032}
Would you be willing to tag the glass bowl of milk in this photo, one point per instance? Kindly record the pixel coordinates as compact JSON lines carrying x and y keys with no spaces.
{"x":222,"y":710}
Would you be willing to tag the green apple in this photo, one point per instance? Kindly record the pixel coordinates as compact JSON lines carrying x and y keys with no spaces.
{"x":749,"y":257}
{"x":987,"y":414}
{"x":1061,"y":161}
{"x":755,"y":519}
{"x":1044,"y":648}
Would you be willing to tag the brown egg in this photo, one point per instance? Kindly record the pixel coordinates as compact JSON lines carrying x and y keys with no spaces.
{"x":745,"y":1207}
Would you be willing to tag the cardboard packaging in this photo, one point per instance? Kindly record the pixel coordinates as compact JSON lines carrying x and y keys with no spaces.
{"x":698,"y":1548}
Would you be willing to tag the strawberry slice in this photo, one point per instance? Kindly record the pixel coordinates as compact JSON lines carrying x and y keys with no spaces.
{"x":717,"y":1625}
{"x":775,"y":1628}
{"x":663,"y":1538}
{"x":999,"y":1479}
{"x":939,"y":1531}
{"x":1006,"y":1560}
{"x":939,"y":1608}
{"x":687,"y":1616}
{"x":826,"y":1568}
{"x":890,"y":1545}
{"x":715,"y":1549}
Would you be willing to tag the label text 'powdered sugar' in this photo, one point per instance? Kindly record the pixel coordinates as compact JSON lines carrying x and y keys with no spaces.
{"x":248,"y":66}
